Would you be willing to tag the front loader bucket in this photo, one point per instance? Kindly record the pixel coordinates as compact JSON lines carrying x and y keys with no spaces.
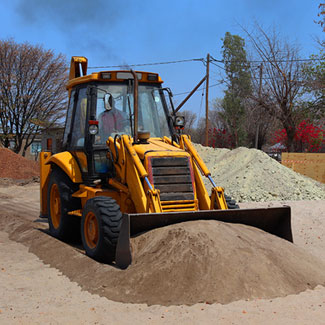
{"x":276,"y":221}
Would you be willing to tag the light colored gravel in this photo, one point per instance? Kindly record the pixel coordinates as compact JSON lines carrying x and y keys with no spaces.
{"x":250,"y":175}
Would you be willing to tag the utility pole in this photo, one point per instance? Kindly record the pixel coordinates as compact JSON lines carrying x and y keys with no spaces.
{"x":259,"y":106}
{"x":189,"y":95}
{"x":207,"y":102}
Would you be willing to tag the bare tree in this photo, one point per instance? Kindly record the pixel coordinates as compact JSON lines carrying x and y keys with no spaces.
{"x":198,"y":134}
{"x":314,"y":84}
{"x":321,"y":15}
{"x":190,"y":119}
{"x":279,"y":88}
{"x":32,"y":93}
{"x":259,"y":125}
{"x":214,"y":122}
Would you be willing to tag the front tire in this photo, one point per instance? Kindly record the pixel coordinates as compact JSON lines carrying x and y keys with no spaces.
{"x":100,"y":228}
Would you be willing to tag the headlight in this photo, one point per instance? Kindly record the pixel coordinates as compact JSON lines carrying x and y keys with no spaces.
{"x":179,"y":121}
{"x":93,"y":127}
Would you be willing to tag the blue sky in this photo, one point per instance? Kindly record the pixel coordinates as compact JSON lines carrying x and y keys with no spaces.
{"x":114,"y":32}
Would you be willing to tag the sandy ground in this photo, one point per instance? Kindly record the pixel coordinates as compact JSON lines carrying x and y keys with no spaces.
{"x":31,"y":292}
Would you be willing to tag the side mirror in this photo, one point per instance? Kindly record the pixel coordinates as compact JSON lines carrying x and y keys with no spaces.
{"x":179,"y":122}
{"x":108,"y":102}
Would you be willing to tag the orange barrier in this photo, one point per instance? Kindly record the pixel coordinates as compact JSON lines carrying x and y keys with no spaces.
{"x":308,"y":164}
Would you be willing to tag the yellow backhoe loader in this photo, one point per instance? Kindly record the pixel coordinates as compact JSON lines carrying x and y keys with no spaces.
{"x":125,"y":169}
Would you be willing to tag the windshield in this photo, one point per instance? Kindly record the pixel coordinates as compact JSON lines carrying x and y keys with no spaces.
{"x":151,"y":116}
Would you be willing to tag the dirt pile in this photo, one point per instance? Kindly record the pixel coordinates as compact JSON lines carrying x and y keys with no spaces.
{"x":187,"y":263}
{"x":207,"y":261}
{"x":13,"y":166}
{"x":200,"y":261}
{"x":251,"y":175}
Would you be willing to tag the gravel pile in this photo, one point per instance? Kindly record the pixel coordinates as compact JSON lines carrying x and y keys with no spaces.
{"x":251,"y":175}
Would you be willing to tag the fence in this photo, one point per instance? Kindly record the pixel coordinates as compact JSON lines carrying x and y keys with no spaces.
{"x":308,"y":164}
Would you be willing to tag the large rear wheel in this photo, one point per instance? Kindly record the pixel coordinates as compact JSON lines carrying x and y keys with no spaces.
{"x":100,"y":228}
{"x":231,"y":203}
{"x":60,"y":202}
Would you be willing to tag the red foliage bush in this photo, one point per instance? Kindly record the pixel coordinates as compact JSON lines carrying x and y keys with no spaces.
{"x":308,"y":137}
{"x":219,"y":138}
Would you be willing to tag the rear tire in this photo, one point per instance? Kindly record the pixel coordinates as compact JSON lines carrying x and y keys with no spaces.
{"x":60,"y":202}
{"x":100,"y":228}
{"x":231,"y":203}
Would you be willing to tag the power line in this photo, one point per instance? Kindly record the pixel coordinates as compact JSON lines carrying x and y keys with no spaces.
{"x":266,"y":61}
{"x":212,"y":60}
{"x":264,"y":78}
{"x":203,"y":60}
{"x":187,"y":92}
{"x":218,"y":65}
{"x":201,"y":103}
{"x":147,"y":64}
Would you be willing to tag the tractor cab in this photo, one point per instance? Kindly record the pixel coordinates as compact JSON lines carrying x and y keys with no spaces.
{"x":102,"y":105}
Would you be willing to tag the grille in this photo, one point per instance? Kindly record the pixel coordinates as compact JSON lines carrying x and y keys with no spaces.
{"x":172,"y":176}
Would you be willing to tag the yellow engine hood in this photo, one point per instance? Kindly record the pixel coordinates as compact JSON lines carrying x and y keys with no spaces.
{"x":157,"y":147}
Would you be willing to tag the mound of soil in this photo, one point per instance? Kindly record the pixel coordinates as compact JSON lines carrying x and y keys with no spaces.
{"x":14,"y":166}
{"x":208,"y":261}
{"x":187,"y":263}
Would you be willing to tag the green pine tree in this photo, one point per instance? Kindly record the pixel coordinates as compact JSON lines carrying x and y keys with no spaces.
{"x":238,"y":78}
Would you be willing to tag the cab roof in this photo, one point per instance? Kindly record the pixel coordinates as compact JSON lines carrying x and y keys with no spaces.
{"x":78,"y":74}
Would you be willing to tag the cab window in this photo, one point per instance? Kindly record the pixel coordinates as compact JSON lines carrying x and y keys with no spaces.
{"x":79,"y":124}
{"x":68,"y":118}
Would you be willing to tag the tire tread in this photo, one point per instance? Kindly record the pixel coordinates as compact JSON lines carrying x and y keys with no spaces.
{"x":68,"y":229}
{"x":110,"y":219}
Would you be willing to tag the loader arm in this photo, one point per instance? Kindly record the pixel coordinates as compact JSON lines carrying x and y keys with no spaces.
{"x":217,"y":198}
{"x":129,"y":167}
